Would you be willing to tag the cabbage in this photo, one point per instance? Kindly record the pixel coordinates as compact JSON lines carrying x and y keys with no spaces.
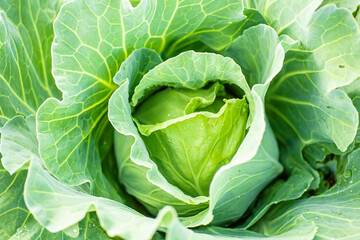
{"x":173,"y":119}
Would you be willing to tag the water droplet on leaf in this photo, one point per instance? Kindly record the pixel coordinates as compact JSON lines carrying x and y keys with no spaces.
{"x":347,"y":174}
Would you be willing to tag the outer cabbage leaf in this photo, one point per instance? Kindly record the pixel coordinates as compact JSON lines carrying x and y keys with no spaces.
{"x":349,"y":4}
{"x":258,"y":68}
{"x":217,"y":41}
{"x":353,"y":91}
{"x":335,"y":212}
{"x":316,"y":112}
{"x":62,"y":207}
{"x":18,"y":144}
{"x":25,"y":82}
{"x":18,"y":223}
{"x":289,"y":17}
{"x":55,"y":206}
{"x":25,"y":56}
{"x":300,"y":229}
{"x":279,"y":191}
{"x":303,"y":107}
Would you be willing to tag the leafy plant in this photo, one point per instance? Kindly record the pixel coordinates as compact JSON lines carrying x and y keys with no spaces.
{"x":173,"y":119}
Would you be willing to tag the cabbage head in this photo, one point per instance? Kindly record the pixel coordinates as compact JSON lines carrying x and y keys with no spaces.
{"x":186,"y":122}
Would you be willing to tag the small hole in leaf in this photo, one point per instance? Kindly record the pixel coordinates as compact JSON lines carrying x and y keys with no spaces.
{"x":341,"y":66}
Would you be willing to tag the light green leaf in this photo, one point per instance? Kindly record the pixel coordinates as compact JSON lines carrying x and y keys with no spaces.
{"x":141,"y":61}
{"x":15,"y":218}
{"x":257,"y":68}
{"x":59,"y":207}
{"x":197,"y":130}
{"x":90,"y":228}
{"x":279,"y":191}
{"x":218,"y":40}
{"x":87,"y":166}
{"x":18,"y":143}
{"x":313,"y":71}
{"x":253,"y":18}
{"x":336,"y":212}
{"x":175,"y":73}
{"x":289,"y":17}
{"x":16,"y":221}
{"x":301,"y":229}
{"x":25,"y":56}
{"x":18,"y":147}
{"x":55,"y":206}
{"x":349,"y":4}
{"x":302,"y":106}
{"x":353,"y":91}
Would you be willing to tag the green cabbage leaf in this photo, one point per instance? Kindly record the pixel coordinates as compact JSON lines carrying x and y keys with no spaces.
{"x":169,"y":119}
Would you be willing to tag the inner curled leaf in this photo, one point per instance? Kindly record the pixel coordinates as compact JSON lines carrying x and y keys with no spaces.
{"x":190,"y":134}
